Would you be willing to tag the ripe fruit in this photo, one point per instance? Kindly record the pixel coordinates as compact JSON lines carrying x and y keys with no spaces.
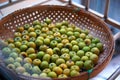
{"x":75,"y":67}
{"x":38,"y":42}
{"x":57,"y":70}
{"x":69,"y":63}
{"x":23,"y":47}
{"x":66,"y":71}
{"x":46,"y":57}
{"x":75,"y":58}
{"x":49,"y":51}
{"x":32,"y":34}
{"x":95,"y":50}
{"x":30,"y":50}
{"x":65,"y":56}
{"x":80,"y":53}
{"x":79,"y":63}
{"x":62,"y":76}
{"x":54,"y":57}
{"x":94,"y":58}
{"x":32,"y":56}
{"x":32,"y":45}
{"x":63,"y":66}
{"x":40,"y":54}
{"x":52,"y":65}
{"x":75,"y":48}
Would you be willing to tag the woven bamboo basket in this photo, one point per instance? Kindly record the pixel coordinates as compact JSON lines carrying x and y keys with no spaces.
{"x":80,"y":18}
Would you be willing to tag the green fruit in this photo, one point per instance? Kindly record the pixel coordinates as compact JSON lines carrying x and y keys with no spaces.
{"x":52,"y":74}
{"x":87,"y":41}
{"x":9,"y":60}
{"x":99,"y":46}
{"x":70,"y":38}
{"x":69,"y":63}
{"x":45,"y":29}
{"x":66,"y":71}
{"x":37,"y":62}
{"x":60,"y":45}
{"x":46,"y":70}
{"x":23,"y":47}
{"x":47,"y":41}
{"x":36,"y":22}
{"x":72,"y":26}
{"x":20,"y":69}
{"x":43,"y":75}
{"x":27,"y":66}
{"x":77,"y":29}
{"x":62,"y":31}
{"x":18,"y":59}
{"x":74,"y":73}
{"x":95,"y":40}
{"x":25,"y":37}
{"x":37,"y":31}
{"x":17,"y":64}
{"x":55,"y":29}
{"x":40,"y":54}
{"x":58,"y":39}
{"x":65,"y":41}
{"x":40,"y":38}
{"x":58,"y":25}
{"x":81,"y":45}
{"x":54,"y":57}
{"x":72,"y":53}
{"x":92,"y":45}
{"x":30,"y":51}
{"x":79,"y":63}
{"x":65,"y":56}
{"x":25,"y":42}
{"x":25,"y":32}
{"x":31,"y":44}
{"x":68,"y":45}
{"x":51,"y":37}
{"x":56,"y":51}
{"x":69,"y":33}
{"x":35,"y":75}
{"x":32,"y":34}
{"x":84,"y":58}
{"x":57,"y":34}
{"x":76,"y":34}
{"x":17,"y":50}
{"x":43,"y":24}
{"x":64,"y":50}
{"x":11,"y":45}
{"x":37,"y":27}
{"x":88,"y":64}
{"x":79,"y":40}
{"x":13,"y":55}
{"x":88,"y":54}
{"x":80,"y":53}
{"x":74,"y":42}
{"x":49,"y":51}
{"x":38,"y":42}
{"x":75,"y":67}
{"x":32,"y":56}
{"x":64,"y":36}
{"x":43,"y":47}
{"x":17,"y":39}
{"x":53,"y":43}
{"x":32,"y":39}
{"x":36,"y":69}
{"x":26,"y":26}
{"x":83,"y":35}
{"x":26,"y":74}
{"x":46,"y":57}
{"x":17,"y":34}
{"x":75,"y":48}
{"x":70,"y":29}
{"x":65,"y":23}
{"x":62,"y":76}
{"x":86,"y":49}
{"x":52,"y":65}
{"x":51,"y":26}
{"x":60,"y":61}
{"x":31,"y":29}
{"x":95,"y":50}
{"x":75,"y":58}
{"x":6,"y":51}
{"x":44,"y":64}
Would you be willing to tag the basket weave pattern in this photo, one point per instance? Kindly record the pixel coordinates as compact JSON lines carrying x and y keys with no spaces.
{"x":81,"y":18}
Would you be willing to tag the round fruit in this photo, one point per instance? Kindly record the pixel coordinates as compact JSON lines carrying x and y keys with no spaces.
{"x":40,"y":54}
{"x":66,"y":71}
{"x":52,"y":74}
{"x":60,"y":61}
{"x":37,"y":62}
{"x":74,"y":73}
{"x":57,"y":70}
{"x":62,"y":76}
{"x":44,"y":64}
{"x":20,"y":69}
{"x":88,"y":64}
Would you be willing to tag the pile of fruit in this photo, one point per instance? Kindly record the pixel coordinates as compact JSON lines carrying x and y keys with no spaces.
{"x":51,"y":50}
